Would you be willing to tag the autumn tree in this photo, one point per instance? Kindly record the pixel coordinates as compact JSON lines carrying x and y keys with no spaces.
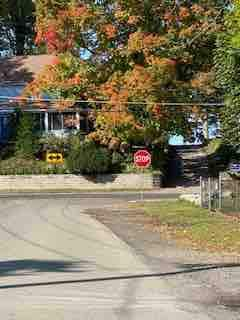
{"x":135,"y":56}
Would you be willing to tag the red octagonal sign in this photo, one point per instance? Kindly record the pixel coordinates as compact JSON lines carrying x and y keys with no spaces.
{"x":142,"y":159}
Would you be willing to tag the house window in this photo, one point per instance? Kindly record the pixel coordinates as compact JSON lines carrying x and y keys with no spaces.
{"x":38,"y":119}
{"x":55,"y":121}
{"x":63,"y":121}
{"x":70,"y":121}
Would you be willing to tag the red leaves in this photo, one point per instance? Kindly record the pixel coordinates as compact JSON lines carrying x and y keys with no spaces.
{"x":55,"y":41}
{"x":60,"y":30}
{"x":39,"y":37}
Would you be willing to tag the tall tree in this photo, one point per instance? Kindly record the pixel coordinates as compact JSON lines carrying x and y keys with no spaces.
{"x":137,"y":55}
{"x":17,"y":26}
{"x":227,"y":65}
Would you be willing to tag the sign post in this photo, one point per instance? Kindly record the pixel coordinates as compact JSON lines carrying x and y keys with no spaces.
{"x":142,"y":160}
{"x":54,"y":158}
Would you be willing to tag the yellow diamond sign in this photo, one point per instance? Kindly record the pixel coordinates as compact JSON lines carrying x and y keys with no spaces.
{"x":54,"y":158}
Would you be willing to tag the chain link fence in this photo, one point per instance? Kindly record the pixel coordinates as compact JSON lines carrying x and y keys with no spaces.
{"x":220,"y":193}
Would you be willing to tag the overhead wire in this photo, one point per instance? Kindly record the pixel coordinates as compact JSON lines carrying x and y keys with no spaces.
{"x":37,"y":100}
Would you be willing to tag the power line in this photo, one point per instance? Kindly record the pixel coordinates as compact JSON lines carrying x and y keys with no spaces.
{"x":36,"y":100}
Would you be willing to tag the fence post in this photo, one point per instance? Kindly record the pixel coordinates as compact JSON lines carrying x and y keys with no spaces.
{"x":201,"y":191}
{"x":234,"y":194}
{"x":209,"y":195}
{"x":238,"y":196}
{"x":220,"y":191}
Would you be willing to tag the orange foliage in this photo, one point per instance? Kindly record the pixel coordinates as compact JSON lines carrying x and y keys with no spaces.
{"x":139,"y":65}
{"x":56,"y":31}
{"x":197,"y":9}
{"x":80,"y":11}
{"x":133,"y":20}
{"x":204,"y":81}
{"x":188,"y":32}
{"x":110,"y":31}
{"x":139,"y":81}
{"x":169,"y":17}
{"x":184,"y":13}
{"x":56,"y":61}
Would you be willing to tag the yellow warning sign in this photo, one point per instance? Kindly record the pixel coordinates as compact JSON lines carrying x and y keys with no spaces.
{"x":54,"y":158}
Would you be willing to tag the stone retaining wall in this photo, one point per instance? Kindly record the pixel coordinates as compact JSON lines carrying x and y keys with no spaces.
{"x":79,"y":182}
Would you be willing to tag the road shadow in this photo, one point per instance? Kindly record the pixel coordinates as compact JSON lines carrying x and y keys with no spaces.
{"x":207,"y":266}
{"x":33,"y":267}
{"x":188,"y":270}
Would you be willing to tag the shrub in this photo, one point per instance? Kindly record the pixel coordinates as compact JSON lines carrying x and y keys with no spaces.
{"x":20,"y":166}
{"x":26,"y":141}
{"x":53,"y":143}
{"x":159,"y":158}
{"x":219,"y":155}
{"x":17,"y":166}
{"x":118,"y":162}
{"x":88,"y":158}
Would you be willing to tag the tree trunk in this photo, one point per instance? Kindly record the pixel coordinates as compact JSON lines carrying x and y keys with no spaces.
{"x":20,"y":35}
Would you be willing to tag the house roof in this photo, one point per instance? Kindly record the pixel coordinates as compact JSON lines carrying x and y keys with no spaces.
{"x":22,"y":69}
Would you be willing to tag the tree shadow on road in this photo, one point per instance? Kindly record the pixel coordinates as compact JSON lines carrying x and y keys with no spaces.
{"x":187,"y":270}
{"x":33,"y":267}
{"x":207,"y":266}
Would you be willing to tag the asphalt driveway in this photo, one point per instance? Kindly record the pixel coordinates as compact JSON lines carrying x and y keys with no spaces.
{"x":57,"y":262}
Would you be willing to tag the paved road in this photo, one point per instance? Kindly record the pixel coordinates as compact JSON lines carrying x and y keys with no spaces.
{"x":131,"y":195}
{"x":59,"y":263}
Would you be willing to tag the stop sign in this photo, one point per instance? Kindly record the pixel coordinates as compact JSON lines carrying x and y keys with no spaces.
{"x":142,"y":159}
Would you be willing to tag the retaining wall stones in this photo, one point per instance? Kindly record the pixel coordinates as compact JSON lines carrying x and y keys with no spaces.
{"x":79,"y":182}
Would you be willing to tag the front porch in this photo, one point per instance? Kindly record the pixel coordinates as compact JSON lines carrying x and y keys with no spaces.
{"x":61,"y":123}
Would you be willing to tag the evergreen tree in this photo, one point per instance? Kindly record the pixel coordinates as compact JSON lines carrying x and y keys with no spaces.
{"x":25,"y":138}
{"x":17,"y":18}
{"x":227,"y":65}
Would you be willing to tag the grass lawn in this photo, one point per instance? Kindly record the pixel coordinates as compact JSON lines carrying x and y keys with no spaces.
{"x":194,"y":226}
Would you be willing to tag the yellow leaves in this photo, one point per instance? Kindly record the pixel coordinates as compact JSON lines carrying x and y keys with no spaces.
{"x":63,"y":104}
{"x":139,"y":81}
{"x":120,"y":14}
{"x":112,"y":116}
{"x":79,"y":11}
{"x":163,"y":63}
{"x":187,"y":32}
{"x":124,"y":16}
{"x":204,"y":81}
{"x":142,"y":41}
